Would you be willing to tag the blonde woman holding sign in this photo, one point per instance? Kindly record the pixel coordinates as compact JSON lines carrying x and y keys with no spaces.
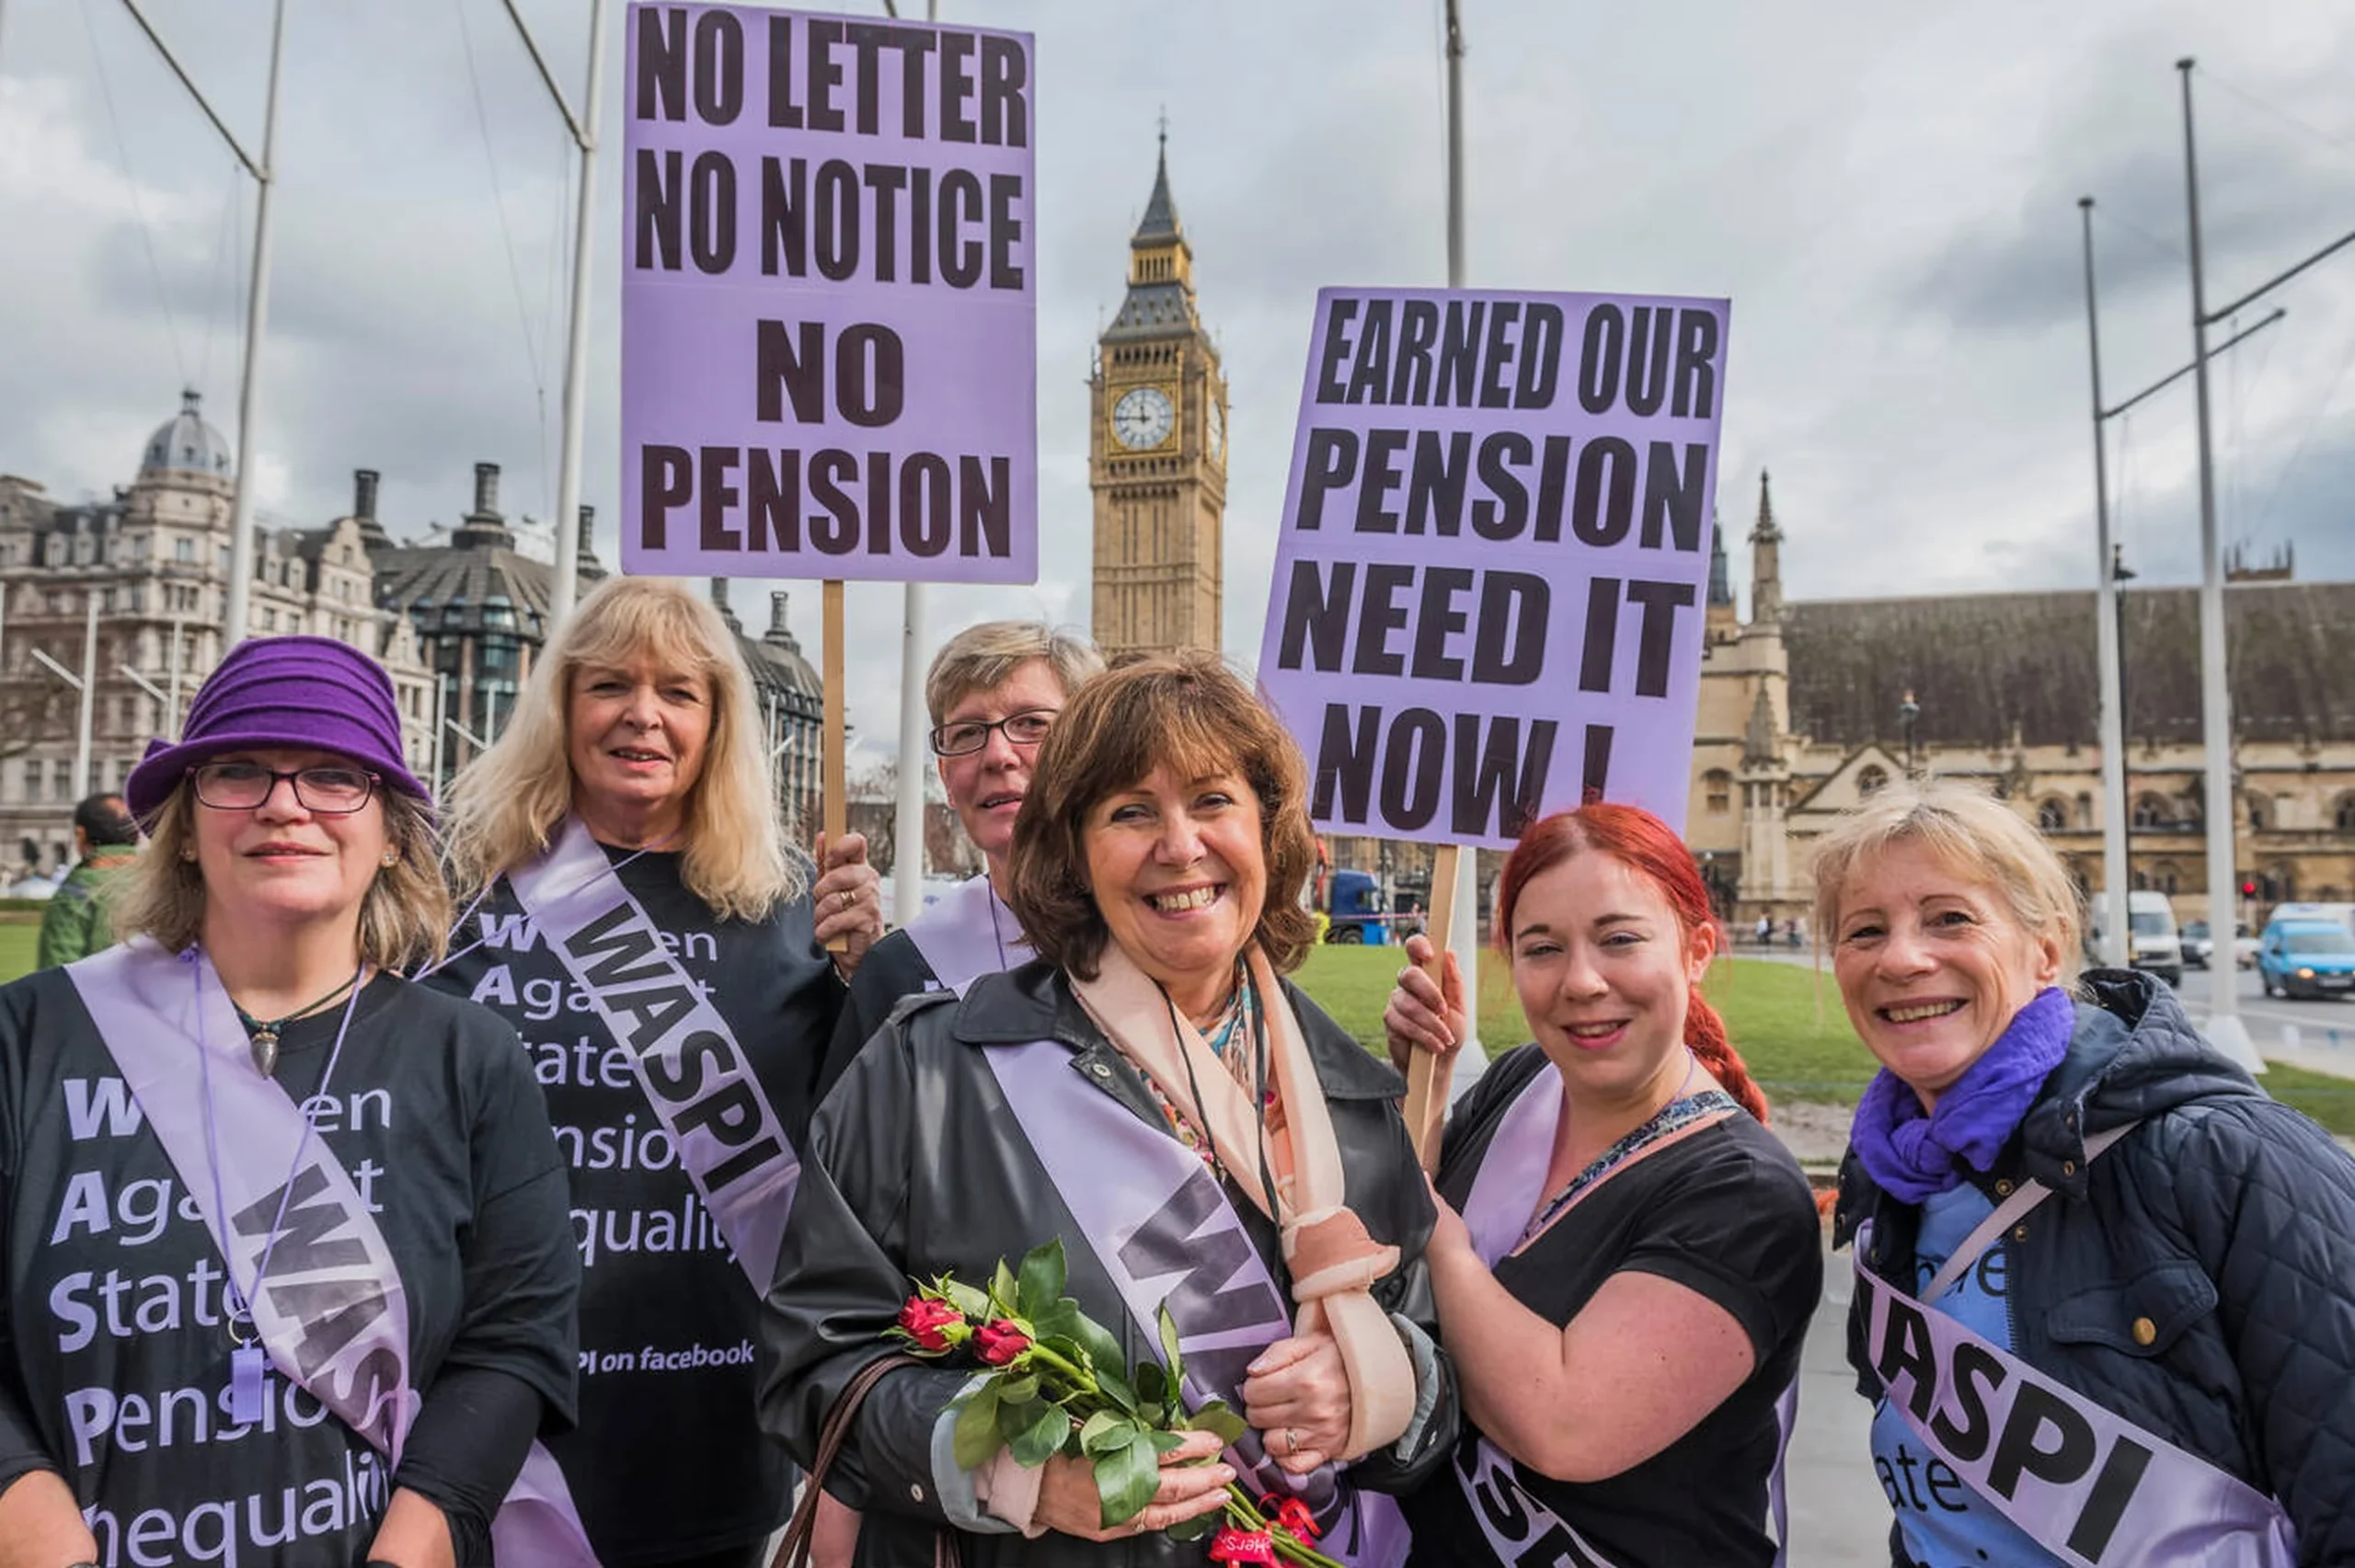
{"x":285,"y":1277}
{"x":2105,"y":1287}
{"x":636,"y":914}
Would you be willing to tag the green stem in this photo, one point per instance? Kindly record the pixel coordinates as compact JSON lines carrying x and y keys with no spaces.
{"x":1080,"y":1378}
{"x":1242,"y":1513}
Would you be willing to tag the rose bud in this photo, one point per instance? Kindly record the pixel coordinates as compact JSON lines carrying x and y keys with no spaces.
{"x":999,"y":1341}
{"x":928,"y":1322}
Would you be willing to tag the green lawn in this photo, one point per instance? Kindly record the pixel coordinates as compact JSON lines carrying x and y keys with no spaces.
{"x":19,"y":941}
{"x":1785,"y":1020}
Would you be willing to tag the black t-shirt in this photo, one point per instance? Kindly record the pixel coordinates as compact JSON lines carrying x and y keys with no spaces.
{"x":1724,"y":1211}
{"x":114,"y":1365}
{"x":893,"y":968}
{"x":668,"y":1460}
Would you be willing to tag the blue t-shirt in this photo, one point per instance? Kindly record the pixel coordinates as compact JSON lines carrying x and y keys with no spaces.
{"x":1945,"y":1523}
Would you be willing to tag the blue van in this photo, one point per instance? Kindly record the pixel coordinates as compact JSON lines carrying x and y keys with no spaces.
{"x":2306,"y":958}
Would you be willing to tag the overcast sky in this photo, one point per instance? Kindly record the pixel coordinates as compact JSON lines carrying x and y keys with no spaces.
{"x":1887,"y":194}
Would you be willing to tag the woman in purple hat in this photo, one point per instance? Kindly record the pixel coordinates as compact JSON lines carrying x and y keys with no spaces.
{"x":634,"y":909}
{"x":285,"y":1277}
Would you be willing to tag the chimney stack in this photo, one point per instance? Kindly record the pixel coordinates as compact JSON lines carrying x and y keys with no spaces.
{"x":486,"y":489}
{"x":363,"y":494}
{"x":588,"y":532}
{"x":719,"y":600}
{"x":777,"y":612}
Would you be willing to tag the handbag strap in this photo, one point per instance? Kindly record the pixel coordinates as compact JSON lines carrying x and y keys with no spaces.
{"x":793,"y":1550}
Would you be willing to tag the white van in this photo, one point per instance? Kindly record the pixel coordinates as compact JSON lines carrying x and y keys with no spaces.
{"x":2152,"y":941}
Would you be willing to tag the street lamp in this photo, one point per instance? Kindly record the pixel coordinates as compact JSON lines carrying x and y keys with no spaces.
{"x":2121,"y":574}
{"x":1908,"y":711}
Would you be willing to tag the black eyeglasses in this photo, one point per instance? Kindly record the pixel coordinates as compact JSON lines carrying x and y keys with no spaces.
{"x":243,"y":786}
{"x":968,"y":735}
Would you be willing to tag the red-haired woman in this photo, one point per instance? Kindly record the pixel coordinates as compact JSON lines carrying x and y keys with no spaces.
{"x":1629,"y":1285}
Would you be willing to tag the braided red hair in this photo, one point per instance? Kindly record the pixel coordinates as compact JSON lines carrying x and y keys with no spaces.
{"x":1643,"y":844}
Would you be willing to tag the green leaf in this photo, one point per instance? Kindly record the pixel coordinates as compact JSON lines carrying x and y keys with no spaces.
{"x":1045,"y":1435}
{"x":1176,"y":1357}
{"x":1012,"y":1419}
{"x":1003,"y":1292}
{"x":1196,"y":1527}
{"x":1040,"y":1286}
{"x":1153,"y":1385}
{"x":1165,"y":1442}
{"x":1102,"y":1345}
{"x":1117,"y":1390}
{"x":964,"y":1298}
{"x":1105,"y":1431}
{"x":1018,"y":1391}
{"x":975,"y":1437}
{"x":1126,"y":1479}
{"x":1216,"y":1416}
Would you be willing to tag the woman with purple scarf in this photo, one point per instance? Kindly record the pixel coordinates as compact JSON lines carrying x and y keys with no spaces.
{"x":2105,"y":1297}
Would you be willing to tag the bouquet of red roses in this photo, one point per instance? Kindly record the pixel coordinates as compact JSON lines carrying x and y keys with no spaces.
{"x":1057,"y":1383}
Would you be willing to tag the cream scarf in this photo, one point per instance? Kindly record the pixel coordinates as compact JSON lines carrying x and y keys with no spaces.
{"x":1332,"y":1260}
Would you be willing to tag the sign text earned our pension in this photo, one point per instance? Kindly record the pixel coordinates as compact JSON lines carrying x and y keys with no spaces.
{"x":867,"y":177}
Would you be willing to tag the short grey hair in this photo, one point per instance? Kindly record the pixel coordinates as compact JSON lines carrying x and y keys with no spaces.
{"x":1976,"y":834}
{"x":985,"y":655}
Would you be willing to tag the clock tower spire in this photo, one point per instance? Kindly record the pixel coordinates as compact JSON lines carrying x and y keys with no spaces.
{"x":1157,"y":449}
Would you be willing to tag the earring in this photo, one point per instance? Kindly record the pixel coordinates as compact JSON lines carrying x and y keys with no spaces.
{"x":188,"y":854}
{"x":391,"y":857}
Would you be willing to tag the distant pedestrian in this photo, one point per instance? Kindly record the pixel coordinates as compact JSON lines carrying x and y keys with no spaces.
{"x":1764,"y":934}
{"x":1791,"y":933}
{"x":79,"y":922}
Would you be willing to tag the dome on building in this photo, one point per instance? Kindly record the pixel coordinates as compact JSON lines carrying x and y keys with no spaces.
{"x":186,"y":443}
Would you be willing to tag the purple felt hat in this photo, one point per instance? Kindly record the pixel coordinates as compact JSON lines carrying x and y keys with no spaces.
{"x":312,"y":692}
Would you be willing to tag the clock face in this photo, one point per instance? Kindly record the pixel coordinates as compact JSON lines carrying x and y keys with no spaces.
{"x":1142,"y":418}
{"x":1217,"y":423}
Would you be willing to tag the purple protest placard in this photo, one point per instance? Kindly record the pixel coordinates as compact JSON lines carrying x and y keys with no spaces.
{"x":1491,"y":578}
{"x":829,"y":311}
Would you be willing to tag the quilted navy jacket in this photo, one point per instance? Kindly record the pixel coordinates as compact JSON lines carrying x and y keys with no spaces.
{"x":2225,"y":1219}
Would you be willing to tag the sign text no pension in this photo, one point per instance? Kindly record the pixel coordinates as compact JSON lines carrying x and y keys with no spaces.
{"x":858,"y":192}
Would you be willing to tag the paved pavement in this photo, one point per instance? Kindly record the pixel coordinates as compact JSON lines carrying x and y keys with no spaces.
{"x":1839,"y":1516}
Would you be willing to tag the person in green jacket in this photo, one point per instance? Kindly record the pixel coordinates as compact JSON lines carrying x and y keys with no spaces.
{"x":77,"y":922}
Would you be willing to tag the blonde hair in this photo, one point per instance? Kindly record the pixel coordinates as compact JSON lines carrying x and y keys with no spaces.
{"x":403,"y":915}
{"x":988,"y":654}
{"x":504,"y":807}
{"x":1977,"y":835}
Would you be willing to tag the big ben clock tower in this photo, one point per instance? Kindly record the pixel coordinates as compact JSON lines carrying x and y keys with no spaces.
{"x":1158,"y":451}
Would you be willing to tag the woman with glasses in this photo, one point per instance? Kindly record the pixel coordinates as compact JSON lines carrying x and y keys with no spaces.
{"x":635,"y":910}
{"x":285,"y":1275}
{"x":993,"y":691}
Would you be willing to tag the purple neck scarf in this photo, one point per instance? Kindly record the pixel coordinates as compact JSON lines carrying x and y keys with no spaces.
{"x":1914,"y":1156}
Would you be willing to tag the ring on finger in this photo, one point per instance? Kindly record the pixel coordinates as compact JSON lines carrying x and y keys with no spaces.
{"x":1292,"y":1441}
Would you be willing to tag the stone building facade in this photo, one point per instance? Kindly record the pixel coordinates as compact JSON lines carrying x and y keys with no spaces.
{"x":1808,"y":707}
{"x":152,"y":561}
{"x":456,"y":621}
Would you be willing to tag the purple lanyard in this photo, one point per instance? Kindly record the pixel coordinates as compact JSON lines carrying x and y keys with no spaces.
{"x":246,"y":1360}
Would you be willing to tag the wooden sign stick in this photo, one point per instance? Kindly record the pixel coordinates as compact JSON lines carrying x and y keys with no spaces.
{"x":1428,"y":1074}
{"x":835,"y":801}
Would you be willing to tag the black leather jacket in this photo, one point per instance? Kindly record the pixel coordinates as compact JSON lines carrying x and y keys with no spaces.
{"x":2223,"y":1225}
{"x":915,"y":1166}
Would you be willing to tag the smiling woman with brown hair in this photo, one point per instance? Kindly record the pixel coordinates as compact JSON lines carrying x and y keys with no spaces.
{"x":1150,"y":1077}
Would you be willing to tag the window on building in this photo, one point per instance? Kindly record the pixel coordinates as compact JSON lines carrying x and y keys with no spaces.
{"x":269,"y":620}
{"x":1716,"y":787}
{"x":1870,"y":780}
{"x":2261,"y":812}
{"x":184,"y":550}
{"x":2165,"y":876}
{"x":2343,"y":814}
{"x":2053,"y":816}
{"x":61,"y":779}
{"x":2151,"y":811}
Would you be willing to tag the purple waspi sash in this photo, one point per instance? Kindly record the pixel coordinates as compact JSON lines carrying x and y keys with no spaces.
{"x":1504,"y":1192}
{"x":1162,"y":1228}
{"x":333,"y":1314}
{"x":2089,"y":1486}
{"x":964,"y":937}
{"x":693,"y":1073}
